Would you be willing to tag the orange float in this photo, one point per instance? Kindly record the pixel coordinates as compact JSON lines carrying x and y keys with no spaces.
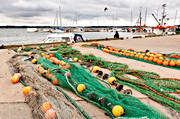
{"x":141,"y":57}
{"x":159,"y":61}
{"x":150,"y":59}
{"x":18,"y":74}
{"x":26,"y":90}
{"x":51,"y":55}
{"x":161,"y":58}
{"x":159,"y":55}
{"x":178,"y":63}
{"x":55,"y":81}
{"x":50,"y":114}
{"x":132,"y":55}
{"x":151,"y":55}
{"x":172,"y":63}
{"x":46,"y":106}
{"x":145,"y":58}
{"x":165,"y":63}
{"x":127,"y":54}
{"x":136,"y":55}
{"x":15,"y":79}
{"x":37,"y":48}
{"x":155,"y":60}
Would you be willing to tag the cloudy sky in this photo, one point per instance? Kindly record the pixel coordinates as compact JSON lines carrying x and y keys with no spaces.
{"x":85,"y":12}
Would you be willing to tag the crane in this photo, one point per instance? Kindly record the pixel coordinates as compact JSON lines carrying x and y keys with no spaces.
{"x":156,"y":19}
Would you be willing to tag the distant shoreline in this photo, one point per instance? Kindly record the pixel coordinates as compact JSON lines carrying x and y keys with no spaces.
{"x":11,"y":26}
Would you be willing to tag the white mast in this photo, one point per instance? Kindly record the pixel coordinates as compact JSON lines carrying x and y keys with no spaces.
{"x":175,"y":18}
{"x":131,"y":17}
{"x":57,"y":18}
{"x":60,"y":13}
{"x":145,"y":17}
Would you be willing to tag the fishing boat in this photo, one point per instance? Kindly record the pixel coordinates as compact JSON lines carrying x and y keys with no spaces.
{"x":64,"y":37}
{"x":162,"y":28}
{"x":32,"y":30}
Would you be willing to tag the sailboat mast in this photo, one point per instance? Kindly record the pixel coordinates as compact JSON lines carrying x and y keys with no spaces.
{"x":60,"y":16}
{"x":131,"y":18}
{"x":140,"y":18}
{"x":54,"y":23}
{"x":175,"y":18}
{"x":145,"y":16}
{"x":57,"y":18}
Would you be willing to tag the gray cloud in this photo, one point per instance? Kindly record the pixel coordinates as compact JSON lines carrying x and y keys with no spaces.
{"x":85,"y":10}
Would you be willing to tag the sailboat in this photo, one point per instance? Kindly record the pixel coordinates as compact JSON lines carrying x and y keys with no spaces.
{"x":57,"y":25}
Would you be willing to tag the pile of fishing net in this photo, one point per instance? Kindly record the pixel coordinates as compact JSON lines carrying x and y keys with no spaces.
{"x":88,"y":87}
{"x":148,"y":83}
{"x":70,"y":76}
{"x":167,"y":60}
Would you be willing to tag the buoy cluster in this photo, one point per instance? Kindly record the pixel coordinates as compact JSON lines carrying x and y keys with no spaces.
{"x":54,"y":60}
{"x":152,"y":57}
{"x":16,"y":78}
{"x":46,"y":73}
{"x":116,"y":110}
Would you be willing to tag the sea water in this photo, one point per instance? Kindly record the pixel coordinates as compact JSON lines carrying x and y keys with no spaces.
{"x":20,"y":36}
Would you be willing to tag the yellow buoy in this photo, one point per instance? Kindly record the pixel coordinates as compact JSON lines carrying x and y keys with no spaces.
{"x":82,"y":44}
{"x":42,"y":54}
{"x":26,"y":90}
{"x":81,"y":87}
{"x":75,"y":59}
{"x":117,"y":110}
{"x":34,"y":61}
{"x":95,"y":69}
{"x":111,"y":80}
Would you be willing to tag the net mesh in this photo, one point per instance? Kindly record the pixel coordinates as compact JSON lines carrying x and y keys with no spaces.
{"x":102,"y":95}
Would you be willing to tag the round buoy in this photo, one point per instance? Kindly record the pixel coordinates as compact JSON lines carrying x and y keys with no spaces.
{"x":150,"y":59}
{"x":68,"y":74}
{"x":26,"y":90}
{"x":159,"y":61}
{"x":50,"y":114}
{"x":15,"y":79}
{"x":55,"y":81}
{"x":117,"y":110}
{"x":155,"y":60}
{"x":105,"y":76}
{"x":19,"y":50}
{"x":37,"y":48}
{"x":95,"y":69}
{"x":82,"y":44}
{"x":42,"y":54}
{"x":172,"y":63}
{"x":165,"y":63}
{"x":18,"y":74}
{"x":81,"y":87}
{"x":46,"y":106}
{"x":178,"y":63}
{"x":75,"y":59}
{"x":112,"y":80}
{"x":34,"y":61}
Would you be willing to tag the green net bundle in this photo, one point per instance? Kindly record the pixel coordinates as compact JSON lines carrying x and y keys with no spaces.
{"x":148,"y":83}
{"x":163,"y":86}
{"x":167,"y":60}
{"x":95,"y":93}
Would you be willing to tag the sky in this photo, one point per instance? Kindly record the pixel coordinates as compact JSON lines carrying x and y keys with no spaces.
{"x":86,"y":12}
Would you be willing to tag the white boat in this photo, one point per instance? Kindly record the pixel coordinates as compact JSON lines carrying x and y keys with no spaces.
{"x":64,"y":37}
{"x":32,"y":30}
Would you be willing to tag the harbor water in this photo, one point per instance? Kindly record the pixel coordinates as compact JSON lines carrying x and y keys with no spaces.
{"x":20,"y":36}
